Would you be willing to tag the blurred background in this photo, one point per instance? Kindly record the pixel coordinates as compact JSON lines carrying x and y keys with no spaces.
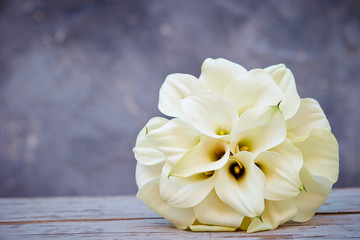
{"x":79,"y":79}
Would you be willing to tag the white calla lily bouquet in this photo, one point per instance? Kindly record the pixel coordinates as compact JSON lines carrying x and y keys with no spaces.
{"x":242,"y":151}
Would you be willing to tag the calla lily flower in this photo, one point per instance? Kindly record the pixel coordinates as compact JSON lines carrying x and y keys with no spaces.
{"x":242,"y":151}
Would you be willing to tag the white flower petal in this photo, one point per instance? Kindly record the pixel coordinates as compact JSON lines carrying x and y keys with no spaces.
{"x":210,"y":228}
{"x":259,"y":129}
{"x":210,"y":154}
{"x":174,"y":138}
{"x":150,"y":195}
{"x":209,"y":113}
{"x":288,"y":150}
{"x":275,"y":214}
{"x":285,"y":80}
{"x":217,"y":73}
{"x":321,"y":153}
{"x":246,"y":193}
{"x":282,"y":177}
{"x":309,"y":116}
{"x":213,"y":211}
{"x":271,"y":69}
{"x":176,"y":87}
{"x":184,"y":192}
{"x":256,"y":88}
{"x":144,"y":151}
{"x":146,"y":173}
{"x":317,"y":190}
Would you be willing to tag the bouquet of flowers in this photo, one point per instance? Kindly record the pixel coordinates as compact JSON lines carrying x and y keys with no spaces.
{"x":241,"y":151}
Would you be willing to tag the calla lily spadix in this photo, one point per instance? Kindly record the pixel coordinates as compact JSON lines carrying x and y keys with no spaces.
{"x":241,"y":150}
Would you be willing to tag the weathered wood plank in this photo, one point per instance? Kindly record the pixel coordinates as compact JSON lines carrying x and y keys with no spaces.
{"x":60,"y":208}
{"x":119,"y":217}
{"x":125,"y":207}
{"x":342,"y":200}
{"x":337,"y":226}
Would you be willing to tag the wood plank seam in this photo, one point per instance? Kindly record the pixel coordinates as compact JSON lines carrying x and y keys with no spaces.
{"x":74,"y":220}
{"x":121,"y":219}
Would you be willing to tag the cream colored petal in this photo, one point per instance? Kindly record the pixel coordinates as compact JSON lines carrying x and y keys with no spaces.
{"x":209,"y":113}
{"x":288,"y":150}
{"x":148,"y":155}
{"x":213,"y":211}
{"x":210,"y":154}
{"x":309,"y":116}
{"x":285,"y":80}
{"x":275,"y":214}
{"x":259,"y":129}
{"x":217,"y":73}
{"x":184,"y":192}
{"x":144,"y":151}
{"x":321,"y":153}
{"x":146,"y":173}
{"x":150,"y":195}
{"x":176,"y":87}
{"x":210,"y":228}
{"x":246,"y":193}
{"x":256,"y":88}
{"x":271,"y":69}
{"x":174,"y":138}
{"x":317,"y":190}
{"x":282,"y":177}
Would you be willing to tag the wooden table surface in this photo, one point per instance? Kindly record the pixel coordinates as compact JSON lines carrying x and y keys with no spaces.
{"x":122,"y":217}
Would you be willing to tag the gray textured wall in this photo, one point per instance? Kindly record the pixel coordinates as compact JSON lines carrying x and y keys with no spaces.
{"x":79,"y":79}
